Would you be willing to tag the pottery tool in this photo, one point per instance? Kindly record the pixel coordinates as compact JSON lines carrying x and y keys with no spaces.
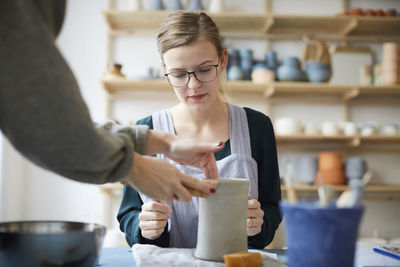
{"x":388,"y":253}
{"x":353,"y":197}
{"x":324,"y":191}
{"x":290,"y":191}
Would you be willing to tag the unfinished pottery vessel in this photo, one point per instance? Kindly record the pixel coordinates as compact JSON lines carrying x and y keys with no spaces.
{"x":223,"y":220}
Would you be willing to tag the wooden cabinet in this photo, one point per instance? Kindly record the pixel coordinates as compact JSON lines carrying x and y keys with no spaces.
{"x":282,"y":27}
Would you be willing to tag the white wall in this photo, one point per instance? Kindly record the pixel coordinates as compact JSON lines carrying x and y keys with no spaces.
{"x":31,"y":193}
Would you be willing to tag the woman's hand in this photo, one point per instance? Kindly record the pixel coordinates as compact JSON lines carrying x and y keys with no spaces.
{"x":153,"y":219}
{"x":185,"y":151}
{"x":160,"y":180}
{"x":254,"y":217}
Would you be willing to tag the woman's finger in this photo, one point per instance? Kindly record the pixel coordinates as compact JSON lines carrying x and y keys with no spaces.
{"x":198,"y":185}
{"x":156,"y":206}
{"x":254,"y":204}
{"x":153,"y":216}
{"x":252,"y":213}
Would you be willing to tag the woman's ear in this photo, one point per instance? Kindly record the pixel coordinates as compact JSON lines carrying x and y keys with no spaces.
{"x":223,"y":60}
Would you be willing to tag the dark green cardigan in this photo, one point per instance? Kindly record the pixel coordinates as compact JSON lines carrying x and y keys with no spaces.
{"x":263,"y":150}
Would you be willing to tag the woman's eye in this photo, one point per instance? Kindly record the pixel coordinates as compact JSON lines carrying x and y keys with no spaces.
{"x":204,"y":70}
{"x":179,"y":74}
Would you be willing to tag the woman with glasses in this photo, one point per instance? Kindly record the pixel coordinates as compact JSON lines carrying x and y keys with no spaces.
{"x":194,"y":61}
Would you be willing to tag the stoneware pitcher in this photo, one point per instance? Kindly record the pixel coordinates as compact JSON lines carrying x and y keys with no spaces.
{"x":223,"y":220}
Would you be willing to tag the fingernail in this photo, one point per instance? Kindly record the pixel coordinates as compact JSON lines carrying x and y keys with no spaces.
{"x":176,"y":197}
{"x":220,"y":143}
{"x":212,"y":190}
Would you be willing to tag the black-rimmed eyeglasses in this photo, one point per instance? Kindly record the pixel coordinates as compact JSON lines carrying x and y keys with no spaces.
{"x":203,"y":74}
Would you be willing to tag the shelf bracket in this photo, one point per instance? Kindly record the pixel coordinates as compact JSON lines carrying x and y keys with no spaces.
{"x":349,"y":27}
{"x":352,"y":93}
{"x":268,"y":24}
{"x":355,"y":142}
{"x":269,"y":92}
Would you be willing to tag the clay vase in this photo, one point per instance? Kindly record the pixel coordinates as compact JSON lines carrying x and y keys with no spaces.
{"x":223,"y":220}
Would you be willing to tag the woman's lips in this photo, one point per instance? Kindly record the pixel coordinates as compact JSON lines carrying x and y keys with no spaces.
{"x":197,"y":97}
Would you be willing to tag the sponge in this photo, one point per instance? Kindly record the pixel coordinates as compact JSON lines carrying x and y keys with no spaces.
{"x":243,"y":259}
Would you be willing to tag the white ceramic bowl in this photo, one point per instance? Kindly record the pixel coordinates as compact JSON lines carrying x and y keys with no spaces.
{"x":287,"y":126}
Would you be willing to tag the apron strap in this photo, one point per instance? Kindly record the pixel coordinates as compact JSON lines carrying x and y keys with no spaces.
{"x":239,"y":130}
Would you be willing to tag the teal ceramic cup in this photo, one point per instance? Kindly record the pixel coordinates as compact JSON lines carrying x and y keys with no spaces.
{"x":319,"y":236}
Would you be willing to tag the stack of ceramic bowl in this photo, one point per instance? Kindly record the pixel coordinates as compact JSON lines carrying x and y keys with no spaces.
{"x":330,"y":169}
{"x":391,"y":63}
{"x":306,"y":169}
{"x":355,"y":168}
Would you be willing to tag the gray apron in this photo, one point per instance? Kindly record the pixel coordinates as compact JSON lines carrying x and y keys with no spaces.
{"x":182,"y":224}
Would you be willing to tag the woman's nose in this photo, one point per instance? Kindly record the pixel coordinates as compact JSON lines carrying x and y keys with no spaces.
{"x":193,"y":81}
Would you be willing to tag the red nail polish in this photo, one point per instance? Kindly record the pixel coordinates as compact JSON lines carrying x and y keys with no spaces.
{"x":220,"y":143}
{"x":176,"y":197}
{"x":212,"y":190}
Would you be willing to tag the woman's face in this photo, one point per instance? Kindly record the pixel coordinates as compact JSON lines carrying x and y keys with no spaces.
{"x":198,"y":56}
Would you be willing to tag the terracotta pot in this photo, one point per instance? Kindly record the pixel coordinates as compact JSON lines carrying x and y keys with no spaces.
{"x":390,"y":13}
{"x":330,"y":161}
{"x":369,"y":12}
{"x":356,"y":12}
{"x":335,"y":177}
{"x":379,"y":12}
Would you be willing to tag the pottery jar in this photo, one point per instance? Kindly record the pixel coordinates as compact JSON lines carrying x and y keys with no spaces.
{"x":306,"y":169}
{"x":223,"y":220}
{"x":290,"y":70}
{"x":261,"y":74}
{"x":330,"y":161}
{"x":355,"y":168}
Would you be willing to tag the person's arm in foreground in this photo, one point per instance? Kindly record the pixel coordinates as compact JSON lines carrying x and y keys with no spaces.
{"x":43,"y":115}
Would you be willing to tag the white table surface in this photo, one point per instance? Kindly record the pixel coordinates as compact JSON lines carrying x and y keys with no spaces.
{"x":366,"y":257}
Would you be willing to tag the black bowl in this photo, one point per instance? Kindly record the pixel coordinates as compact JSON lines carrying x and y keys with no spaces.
{"x":50,"y":243}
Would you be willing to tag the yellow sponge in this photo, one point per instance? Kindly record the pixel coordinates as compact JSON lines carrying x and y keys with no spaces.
{"x":243,"y":259}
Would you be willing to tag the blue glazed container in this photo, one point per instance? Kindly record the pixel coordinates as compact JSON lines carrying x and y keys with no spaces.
{"x":320,"y":236}
{"x":271,"y":60}
{"x":288,"y":73}
{"x":318,"y":72}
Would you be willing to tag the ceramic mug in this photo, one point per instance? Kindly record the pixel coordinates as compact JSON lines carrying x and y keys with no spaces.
{"x":311,"y":129}
{"x":390,"y":129}
{"x":223,"y":220}
{"x":350,"y":128}
{"x":329,"y":128}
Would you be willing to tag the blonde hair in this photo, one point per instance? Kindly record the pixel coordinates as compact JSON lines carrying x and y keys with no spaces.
{"x":182,"y":28}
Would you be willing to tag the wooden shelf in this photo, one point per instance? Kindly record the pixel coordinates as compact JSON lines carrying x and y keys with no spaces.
{"x":372,"y":192}
{"x":242,"y":25}
{"x":280,"y":92}
{"x":340,"y":142}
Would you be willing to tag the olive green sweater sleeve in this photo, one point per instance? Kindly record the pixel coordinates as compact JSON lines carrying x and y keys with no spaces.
{"x":42,"y":112}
